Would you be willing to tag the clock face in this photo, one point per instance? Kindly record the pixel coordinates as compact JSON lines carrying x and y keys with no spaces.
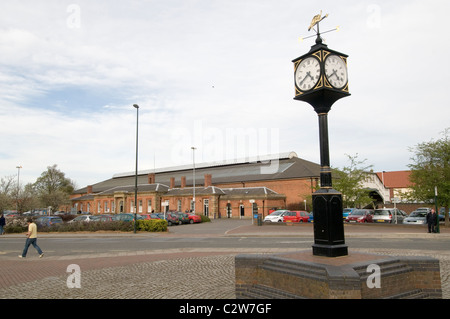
{"x":336,"y":71}
{"x":307,"y":74}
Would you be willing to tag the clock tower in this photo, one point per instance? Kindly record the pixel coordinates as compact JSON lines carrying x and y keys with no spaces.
{"x":321,"y":79}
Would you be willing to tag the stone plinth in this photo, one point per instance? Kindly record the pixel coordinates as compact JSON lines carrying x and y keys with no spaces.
{"x":303,"y":275}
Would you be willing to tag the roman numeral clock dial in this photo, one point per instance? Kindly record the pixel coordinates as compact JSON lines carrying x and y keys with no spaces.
{"x":336,"y":71}
{"x":307,"y":74}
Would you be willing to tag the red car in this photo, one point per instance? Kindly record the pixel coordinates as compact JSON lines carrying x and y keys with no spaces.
{"x":296,"y":217}
{"x":193,"y":218}
{"x":360,"y":216}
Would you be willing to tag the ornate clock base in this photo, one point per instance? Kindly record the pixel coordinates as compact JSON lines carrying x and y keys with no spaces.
{"x":329,"y":238}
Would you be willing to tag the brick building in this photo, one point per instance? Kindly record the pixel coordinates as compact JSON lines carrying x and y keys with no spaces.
{"x":233,"y":189}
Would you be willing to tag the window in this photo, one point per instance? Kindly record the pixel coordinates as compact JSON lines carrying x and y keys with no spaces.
{"x":149,"y":206}
{"x":106,"y":207}
{"x":179,"y":205}
{"x":140,"y":206}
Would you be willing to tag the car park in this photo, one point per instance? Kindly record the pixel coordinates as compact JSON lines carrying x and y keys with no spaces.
{"x":417,"y":217}
{"x":48,"y":221}
{"x":389,"y":215}
{"x":296,"y":217}
{"x":360,"y":216}
{"x":276,"y":216}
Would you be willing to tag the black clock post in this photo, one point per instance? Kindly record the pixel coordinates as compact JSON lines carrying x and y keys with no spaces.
{"x":321,"y":80}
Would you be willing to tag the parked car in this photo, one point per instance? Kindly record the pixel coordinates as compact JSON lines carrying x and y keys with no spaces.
{"x":11,"y":214}
{"x":194,"y":218}
{"x":417,"y":217}
{"x":171,"y":219}
{"x":127,"y":217}
{"x":276,"y":216}
{"x":296,"y":217}
{"x":182,"y":217}
{"x":311,"y":218}
{"x":388,"y":215}
{"x":102,"y":218}
{"x":48,"y":221}
{"x":83,"y":218}
{"x":360,"y":216}
{"x":347,"y":211}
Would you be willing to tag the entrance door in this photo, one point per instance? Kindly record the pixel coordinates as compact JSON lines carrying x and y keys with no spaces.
{"x":242,"y":211}
{"x":206,"y":207}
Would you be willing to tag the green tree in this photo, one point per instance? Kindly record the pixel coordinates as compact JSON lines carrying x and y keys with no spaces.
{"x":430,"y":169}
{"x":349,"y":181}
{"x":53,"y":188}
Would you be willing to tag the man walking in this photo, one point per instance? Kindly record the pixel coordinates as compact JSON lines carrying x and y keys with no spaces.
{"x":431,"y":221}
{"x":31,"y":239}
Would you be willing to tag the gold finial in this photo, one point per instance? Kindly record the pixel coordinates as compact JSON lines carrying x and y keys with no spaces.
{"x":316,"y":20}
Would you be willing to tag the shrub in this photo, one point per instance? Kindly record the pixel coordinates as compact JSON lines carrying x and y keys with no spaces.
{"x":15,"y":225}
{"x":204,"y":218}
{"x":19,"y":225}
{"x":152,"y":225}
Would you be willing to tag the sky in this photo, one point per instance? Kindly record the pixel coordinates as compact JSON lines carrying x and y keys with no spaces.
{"x":216,"y":75}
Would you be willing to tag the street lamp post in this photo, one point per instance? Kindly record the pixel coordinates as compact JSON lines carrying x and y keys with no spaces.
{"x":18,"y":187}
{"x":136,"y":171}
{"x":193,"y":173}
{"x":436,"y":207}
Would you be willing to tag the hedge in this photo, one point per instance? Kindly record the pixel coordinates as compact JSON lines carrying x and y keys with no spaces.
{"x":152,"y":225}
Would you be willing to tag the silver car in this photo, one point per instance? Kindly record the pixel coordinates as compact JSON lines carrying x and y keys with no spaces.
{"x":417,"y":217}
{"x":388,"y":215}
{"x":276,"y":216}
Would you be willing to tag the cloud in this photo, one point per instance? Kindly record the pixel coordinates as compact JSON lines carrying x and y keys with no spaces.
{"x":207,"y":73}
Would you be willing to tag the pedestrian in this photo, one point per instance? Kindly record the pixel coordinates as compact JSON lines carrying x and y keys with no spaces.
{"x":31,"y":239}
{"x":2,"y":224}
{"x":431,"y":221}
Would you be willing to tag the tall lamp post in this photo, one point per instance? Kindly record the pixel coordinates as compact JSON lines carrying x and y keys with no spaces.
{"x":193,"y":173}
{"x":18,"y":187}
{"x":136,"y":171}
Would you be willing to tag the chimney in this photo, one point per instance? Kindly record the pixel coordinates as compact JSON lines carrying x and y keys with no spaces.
{"x":89,"y":189}
{"x":183,"y":181}
{"x":172,"y":182}
{"x":151,"y":178}
{"x":208,"y":180}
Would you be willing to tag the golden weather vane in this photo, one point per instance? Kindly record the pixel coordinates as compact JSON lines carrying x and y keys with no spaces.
{"x":315,"y":22}
{"x":317,"y":18}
